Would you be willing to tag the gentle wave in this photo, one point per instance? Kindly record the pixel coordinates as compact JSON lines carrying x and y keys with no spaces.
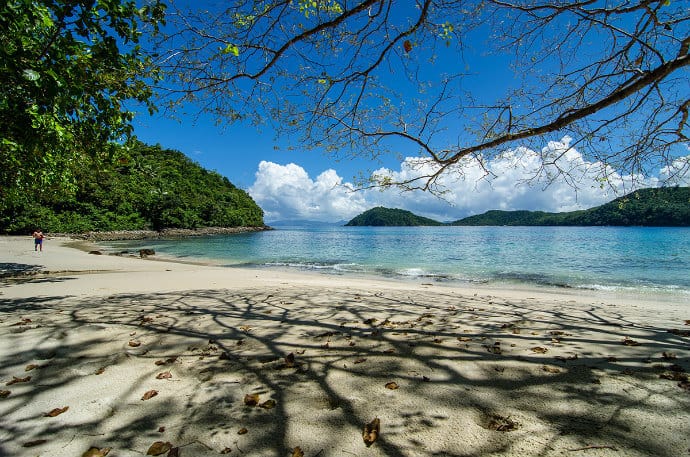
{"x":630,"y":259}
{"x":499,"y":278}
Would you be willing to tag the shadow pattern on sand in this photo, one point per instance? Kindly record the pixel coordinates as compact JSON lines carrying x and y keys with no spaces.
{"x":12,"y":269}
{"x":477,"y":375}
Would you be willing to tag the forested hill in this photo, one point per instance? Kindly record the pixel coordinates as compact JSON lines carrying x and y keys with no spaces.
{"x":145,"y":187}
{"x":381,"y":216}
{"x":664,"y":207}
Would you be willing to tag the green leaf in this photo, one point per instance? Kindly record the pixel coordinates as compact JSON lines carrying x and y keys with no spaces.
{"x":31,"y":75}
{"x":232,"y":49}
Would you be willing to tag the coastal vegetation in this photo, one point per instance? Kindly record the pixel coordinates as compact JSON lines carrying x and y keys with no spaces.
{"x":665,"y":207}
{"x":142,"y":188}
{"x":71,"y":74}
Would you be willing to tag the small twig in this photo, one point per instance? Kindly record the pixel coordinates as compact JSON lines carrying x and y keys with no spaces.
{"x":593,"y":446}
{"x":318,"y":453}
{"x":70,"y":441}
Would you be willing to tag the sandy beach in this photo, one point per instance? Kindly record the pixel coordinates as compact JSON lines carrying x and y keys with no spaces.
{"x":146,"y":356}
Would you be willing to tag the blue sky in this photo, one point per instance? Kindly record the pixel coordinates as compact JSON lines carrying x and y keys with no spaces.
{"x":308,"y":185}
{"x":289,"y":182}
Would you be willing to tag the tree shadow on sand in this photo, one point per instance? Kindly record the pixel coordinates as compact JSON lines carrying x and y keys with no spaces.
{"x":12,"y":269}
{"x":475,"y":376}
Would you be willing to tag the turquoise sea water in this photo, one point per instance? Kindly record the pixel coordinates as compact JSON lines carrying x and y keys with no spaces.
{"x":607,"y":258}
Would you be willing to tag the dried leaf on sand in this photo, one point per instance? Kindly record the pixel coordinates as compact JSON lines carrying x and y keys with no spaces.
{"x":56,"y":412}
{"x":159,"y":447}
{"x":371,"y":432}
{"x":268,"y":404}
{"x":251,"y":399}
{"x":627,"y":341}
{"x":149,"y":394}
{"x":164,"y":375}
{"x":392,"y":385}
{"x":16,"y":380}
{"x":297,"y":452}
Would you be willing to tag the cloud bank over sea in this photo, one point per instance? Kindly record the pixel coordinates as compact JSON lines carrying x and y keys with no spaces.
{"x":555,"y":179}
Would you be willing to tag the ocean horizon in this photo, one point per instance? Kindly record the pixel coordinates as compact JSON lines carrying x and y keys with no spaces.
{"x":627,"y":259}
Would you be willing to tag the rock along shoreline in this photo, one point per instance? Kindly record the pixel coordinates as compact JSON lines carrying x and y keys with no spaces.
{"x":161,"y":234}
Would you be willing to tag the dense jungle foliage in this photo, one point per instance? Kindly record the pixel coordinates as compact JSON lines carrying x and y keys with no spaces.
{"x":69,"y":70}
{"x":143,"y":187}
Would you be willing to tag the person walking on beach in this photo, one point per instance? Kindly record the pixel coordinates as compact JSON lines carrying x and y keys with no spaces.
{"x":38,"y":240}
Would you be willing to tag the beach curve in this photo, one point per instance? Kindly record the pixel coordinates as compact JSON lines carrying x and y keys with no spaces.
{"x":447,"y":371}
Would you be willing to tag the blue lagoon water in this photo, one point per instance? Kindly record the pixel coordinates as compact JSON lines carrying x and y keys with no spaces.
{"x":611,"y":258}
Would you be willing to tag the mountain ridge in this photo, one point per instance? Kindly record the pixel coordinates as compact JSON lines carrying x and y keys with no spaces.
{"x":654,"y":207}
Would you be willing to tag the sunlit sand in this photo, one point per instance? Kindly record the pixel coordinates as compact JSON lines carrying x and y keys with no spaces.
{"x":130,"y":354}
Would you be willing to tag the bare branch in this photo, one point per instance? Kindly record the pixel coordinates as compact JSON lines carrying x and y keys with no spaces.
{"x":371,"y":77}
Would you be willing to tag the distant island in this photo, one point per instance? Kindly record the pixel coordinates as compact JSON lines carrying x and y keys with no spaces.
{"x":387,"y":217}
{"x":662,"y":207}
{"x":142,"y":188}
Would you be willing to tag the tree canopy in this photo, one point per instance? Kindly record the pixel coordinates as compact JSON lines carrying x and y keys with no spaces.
{"x":67,"y":70}
{"x":142,"y":188}
{"x":367,"y":77}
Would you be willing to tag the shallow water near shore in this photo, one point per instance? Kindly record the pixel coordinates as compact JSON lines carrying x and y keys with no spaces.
{"x":630,"y":259}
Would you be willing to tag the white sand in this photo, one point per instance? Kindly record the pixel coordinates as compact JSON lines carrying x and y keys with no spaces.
{"x":462,"y":359}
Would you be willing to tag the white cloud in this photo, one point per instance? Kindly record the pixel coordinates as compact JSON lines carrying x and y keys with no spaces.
{"x":286,"y":192}
{"x":678,"y":173}
{"x":518,"y":179}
